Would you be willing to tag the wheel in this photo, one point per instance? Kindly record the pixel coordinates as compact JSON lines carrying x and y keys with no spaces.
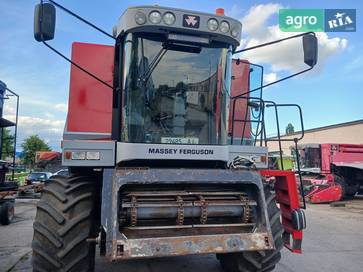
{"x":256,"y":261}
{"x":66,"y":217}
{"x":348,"y":191}
{"x":7,"y":212}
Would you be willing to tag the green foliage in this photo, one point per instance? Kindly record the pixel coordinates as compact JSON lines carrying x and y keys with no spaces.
{"x":8,"y":144}
{"x":18,"y":177}
{"x":289,"y":129}
{"x":30,"y":146}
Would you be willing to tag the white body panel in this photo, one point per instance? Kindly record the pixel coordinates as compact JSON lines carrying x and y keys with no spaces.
{"x":139,"y":151}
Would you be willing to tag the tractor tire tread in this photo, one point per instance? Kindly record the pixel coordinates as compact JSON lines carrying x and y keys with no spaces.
{"x":258,"y":261}
{"x":64,"y":220}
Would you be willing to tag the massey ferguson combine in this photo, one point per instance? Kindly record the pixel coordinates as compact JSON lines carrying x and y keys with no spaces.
{"x":160,"y":145}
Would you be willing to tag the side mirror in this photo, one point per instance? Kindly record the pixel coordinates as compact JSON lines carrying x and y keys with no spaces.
{"x":310,"y":46}
{"x":44,"y":22}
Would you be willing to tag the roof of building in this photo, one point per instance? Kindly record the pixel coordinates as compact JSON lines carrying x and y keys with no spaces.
{"x":345,"y":124}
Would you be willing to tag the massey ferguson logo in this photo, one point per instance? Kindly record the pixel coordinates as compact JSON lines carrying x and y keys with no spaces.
{"x":191,"y":21}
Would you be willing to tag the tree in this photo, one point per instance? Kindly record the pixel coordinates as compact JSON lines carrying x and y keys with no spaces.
{"x":289,"y":129}
{"x":30,"y":146}
{"x":8,"y":144}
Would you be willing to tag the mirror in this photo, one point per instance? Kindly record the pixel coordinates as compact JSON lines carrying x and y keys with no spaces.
{"x":309,"y":50}
{"x":44,"y":22}
{"x":310,"y":45}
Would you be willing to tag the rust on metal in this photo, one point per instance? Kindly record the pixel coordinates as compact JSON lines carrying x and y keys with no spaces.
{"x":185,"y":245}
{"x":171,"y":212}
{"x":203,"y":210}
{"x":183,"y":207}
{"x":133,"y":211}
{"x":180,"y":219}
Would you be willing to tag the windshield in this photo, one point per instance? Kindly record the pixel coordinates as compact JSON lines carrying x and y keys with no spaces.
{"x":310,"y":157}
{"x":176,"y":95}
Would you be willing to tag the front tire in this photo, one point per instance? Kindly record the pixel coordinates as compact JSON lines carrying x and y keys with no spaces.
{"x":66,"y":217}
{"x":258,"y":261}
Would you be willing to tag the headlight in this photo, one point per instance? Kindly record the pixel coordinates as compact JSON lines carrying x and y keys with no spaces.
{"x":155,"y":17}
{"x":169,"y":18}
{"x":234,"y":32}
{"x":78,"y":155}
{"x":140,"y":18}
{"x":212,"y":24}
{"x":92,"y":155}
{"x":224,"y":27}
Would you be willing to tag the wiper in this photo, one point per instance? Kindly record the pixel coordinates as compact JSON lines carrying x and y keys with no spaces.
{"x":145,"y":77}
{"x":165,"y":47}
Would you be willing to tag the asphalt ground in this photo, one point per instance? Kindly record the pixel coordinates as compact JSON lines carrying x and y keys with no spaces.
{"x":333,"y":241}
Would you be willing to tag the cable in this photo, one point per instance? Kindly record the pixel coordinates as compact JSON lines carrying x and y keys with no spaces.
{"x":80,"y":18}
{"x":63,"y":56}
{"x":77,"y":65}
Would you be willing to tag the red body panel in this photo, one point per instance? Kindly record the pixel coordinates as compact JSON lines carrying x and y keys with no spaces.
{"x":325,"y":158}
{"x":339,"y":154}
{"x":90,"y":101}
{"x":239,"y":86}
{"x":288,"y":198}
{"x":346,"y":153}
{"x":326,"y":194}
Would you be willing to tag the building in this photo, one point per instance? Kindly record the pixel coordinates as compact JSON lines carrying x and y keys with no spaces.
{"x":347,"y":133}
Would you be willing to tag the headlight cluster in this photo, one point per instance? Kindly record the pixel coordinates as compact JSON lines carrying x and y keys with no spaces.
{"x":168,"y":18}
{"x":155,"y":17}
{"x":223,"y":27}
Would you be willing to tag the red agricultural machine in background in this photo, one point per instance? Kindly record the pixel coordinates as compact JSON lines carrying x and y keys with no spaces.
{"x":166,"y":147}
{"x":331,"y":172}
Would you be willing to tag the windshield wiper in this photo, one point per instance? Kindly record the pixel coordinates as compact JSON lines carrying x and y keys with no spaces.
{"x":145,"y":77}
{"x":165,"y":47}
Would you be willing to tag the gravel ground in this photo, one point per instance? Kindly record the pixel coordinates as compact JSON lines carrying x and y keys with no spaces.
{"x":332,"y":242}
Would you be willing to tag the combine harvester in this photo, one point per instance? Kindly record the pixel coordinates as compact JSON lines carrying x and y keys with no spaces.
{"x":331,"y":172}
{"x":158,"y":141}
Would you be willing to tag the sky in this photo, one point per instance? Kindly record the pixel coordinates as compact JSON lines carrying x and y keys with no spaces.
{"x":331,"y":93}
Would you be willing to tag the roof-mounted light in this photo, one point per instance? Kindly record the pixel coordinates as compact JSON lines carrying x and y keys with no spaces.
{"x":220,"y":11}
{"x":169,"y":18}
{"x":140,"y":18}
{"x":234,"y":32}
{"x":224,"y":27}
{"x":155,"y":17}
{"x":212,"y":24}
